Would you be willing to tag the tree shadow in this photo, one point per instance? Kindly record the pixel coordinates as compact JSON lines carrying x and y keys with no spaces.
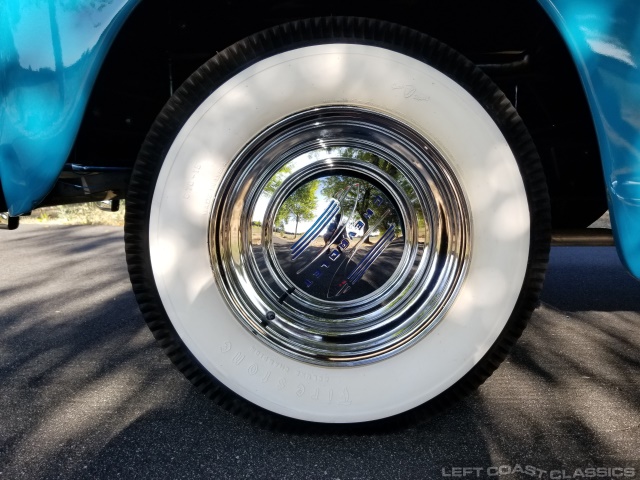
{"x":87,"y":394}
{"x":599,"y":281}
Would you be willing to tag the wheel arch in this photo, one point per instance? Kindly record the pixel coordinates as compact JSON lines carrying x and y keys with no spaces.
{"x":603,"y":41}
{"x":162,"y":43}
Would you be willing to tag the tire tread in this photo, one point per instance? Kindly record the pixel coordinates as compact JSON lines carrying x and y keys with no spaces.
{"x":299,"y":34}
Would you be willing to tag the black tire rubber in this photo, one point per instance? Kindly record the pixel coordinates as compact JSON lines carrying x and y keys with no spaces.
{"x":290,"y":36}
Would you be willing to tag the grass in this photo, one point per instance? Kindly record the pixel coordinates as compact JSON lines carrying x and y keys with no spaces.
{"x":76,"y":214}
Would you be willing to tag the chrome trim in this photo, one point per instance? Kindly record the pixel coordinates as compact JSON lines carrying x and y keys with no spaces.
{"x":363,"y":300}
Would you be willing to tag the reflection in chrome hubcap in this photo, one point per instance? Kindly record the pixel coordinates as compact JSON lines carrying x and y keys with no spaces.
{"x":351,"y":231}
{"x":339,"y":236}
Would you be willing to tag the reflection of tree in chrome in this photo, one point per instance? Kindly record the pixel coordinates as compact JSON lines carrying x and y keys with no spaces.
{"x":333,"y":185}
{"x":274,"y":182}
{"x":300,"y":206}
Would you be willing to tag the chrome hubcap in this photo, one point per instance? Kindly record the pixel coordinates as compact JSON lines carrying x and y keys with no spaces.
{"x":339,"y":236}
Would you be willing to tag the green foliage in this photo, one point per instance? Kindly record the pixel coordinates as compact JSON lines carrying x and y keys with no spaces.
{"x":76,"y":214}
{"x":332,"y":186}
{"x":299,"y":206}
{"x":275,"y":181}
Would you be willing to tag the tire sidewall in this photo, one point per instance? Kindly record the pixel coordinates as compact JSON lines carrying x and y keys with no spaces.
{"x":374,"y":78}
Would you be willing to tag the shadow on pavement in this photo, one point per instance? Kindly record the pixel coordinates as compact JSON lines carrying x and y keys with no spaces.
{"x":87,"y":394}
{"x":596,"y":278}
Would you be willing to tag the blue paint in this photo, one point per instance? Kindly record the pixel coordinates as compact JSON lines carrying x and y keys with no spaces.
{"x":604,"y":40}
{"x":52,"y":50}
{"x":50,"y":54}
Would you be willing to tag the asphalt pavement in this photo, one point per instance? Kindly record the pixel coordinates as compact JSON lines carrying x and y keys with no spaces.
{"x":85,"y":393}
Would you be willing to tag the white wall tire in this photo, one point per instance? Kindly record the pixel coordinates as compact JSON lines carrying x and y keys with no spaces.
{"x":190,"y":153}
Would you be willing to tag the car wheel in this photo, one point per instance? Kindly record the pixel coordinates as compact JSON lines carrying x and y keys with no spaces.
{"x":337,"y":220}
